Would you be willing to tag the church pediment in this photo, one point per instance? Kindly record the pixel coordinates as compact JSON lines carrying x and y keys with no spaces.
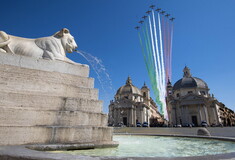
{"x":192,"y":97}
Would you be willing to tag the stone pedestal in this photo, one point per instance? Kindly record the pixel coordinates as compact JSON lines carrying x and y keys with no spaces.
{"x":49,"y":102}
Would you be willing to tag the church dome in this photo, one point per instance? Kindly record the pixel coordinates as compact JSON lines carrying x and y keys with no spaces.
{"x":128,"y":88}
{"x":189,"y":82}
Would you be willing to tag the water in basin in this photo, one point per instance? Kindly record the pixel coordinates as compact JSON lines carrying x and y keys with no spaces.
{"x":158,"y":146}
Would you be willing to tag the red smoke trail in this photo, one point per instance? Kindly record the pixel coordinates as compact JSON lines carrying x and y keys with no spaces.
{"x":164,"y":28}
{"x":168,"y":50}
{"x":171,"y":40}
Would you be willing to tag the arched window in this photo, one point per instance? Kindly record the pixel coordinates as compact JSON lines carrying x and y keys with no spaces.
{"x":144,"y":94}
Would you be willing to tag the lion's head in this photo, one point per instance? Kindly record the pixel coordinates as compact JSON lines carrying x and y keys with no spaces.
{"x":4,"y":39}
{"x":67,"y":40}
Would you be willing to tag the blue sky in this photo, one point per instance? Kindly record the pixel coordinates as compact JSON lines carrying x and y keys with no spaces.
{"x":203,"y":36}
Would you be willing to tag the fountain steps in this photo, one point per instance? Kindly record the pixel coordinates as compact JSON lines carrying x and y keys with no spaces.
{"x":32,"y":77}
{"x":48,"y":102}
{"x":48,"y":89}
{"x":54,"y":135}
{"x":23,"y":117}
{"x":44,"y":103}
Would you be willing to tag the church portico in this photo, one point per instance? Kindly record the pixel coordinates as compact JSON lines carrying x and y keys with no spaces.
{"x":189,"y":102}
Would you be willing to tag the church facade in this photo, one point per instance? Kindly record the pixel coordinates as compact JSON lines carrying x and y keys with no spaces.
{"x":132,"y":105}
{"x":189,"y":102}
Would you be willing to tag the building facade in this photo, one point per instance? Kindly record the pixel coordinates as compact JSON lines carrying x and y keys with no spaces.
{"x":189,"y":102}
{"x":132,"y":105}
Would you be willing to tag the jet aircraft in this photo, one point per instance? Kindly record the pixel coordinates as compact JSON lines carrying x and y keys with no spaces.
{"x":158,"y":9}
{"x":141,"y":22}
{"x":162,"y":12}
{"x":167,"y":15}
{"x":148,"y":12}
{"x":172,"y":19}
{"x":152,"y":6}
{"x":144,"y":17}
{"x":137,"y":27}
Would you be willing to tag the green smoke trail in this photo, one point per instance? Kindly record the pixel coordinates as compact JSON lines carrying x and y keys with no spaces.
{"x":144,"y":54}
{"x":148,"y":47}
{"x":149,"y":55}
{"x":149,"y":52}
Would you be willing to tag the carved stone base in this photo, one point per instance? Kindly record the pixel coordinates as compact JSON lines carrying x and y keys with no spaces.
{"x":49,"y":102}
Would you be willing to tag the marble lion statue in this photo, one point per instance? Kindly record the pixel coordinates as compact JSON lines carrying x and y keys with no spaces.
{"x":53,"y":47}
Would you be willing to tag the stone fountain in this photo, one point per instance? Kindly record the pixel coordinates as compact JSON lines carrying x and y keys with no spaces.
{"x":45,"y":98}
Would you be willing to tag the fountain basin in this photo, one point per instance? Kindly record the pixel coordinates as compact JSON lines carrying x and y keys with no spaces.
{"x":160,"y":146}
{"x":21,"y":152}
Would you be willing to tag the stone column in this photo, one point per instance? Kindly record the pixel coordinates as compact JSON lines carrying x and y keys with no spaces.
{"x":144,"y":119}
{"x":141,"y":115}
{"x":181,"y":115}
{"x":131,"y":116}
{"x":206,"y":114}
{"x":116,"y":116}
{"x":216,"y":118}
{"x":147,"y":111}
{"x":176,"y":122}
{"x":200,"y":114}
{"x":134,"y":115}
{"x":145,"y":114}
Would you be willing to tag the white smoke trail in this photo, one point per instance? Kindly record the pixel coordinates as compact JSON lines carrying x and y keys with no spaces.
{"x":161,"y":51}
{"x":154,"y":54}
{"x":158,"y":68}
{"x":163,"y":83}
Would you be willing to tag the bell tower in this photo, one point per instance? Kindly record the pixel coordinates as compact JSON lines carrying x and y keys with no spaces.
{"x":169,"y":88}
{"x":146,"y":94}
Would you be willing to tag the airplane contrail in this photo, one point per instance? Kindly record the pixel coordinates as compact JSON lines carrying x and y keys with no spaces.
{"x":161,"y":51}
{"x":155,"y":52}
{"x":156,"y":37}
{"x":172,"y":31}
{"x":146,"y":58}
{"x":153,"y":79}
{"x":165,"y":46}
{"x":148,"y":47}
{"x":163,"y":83}
{"x":152,"y":73}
